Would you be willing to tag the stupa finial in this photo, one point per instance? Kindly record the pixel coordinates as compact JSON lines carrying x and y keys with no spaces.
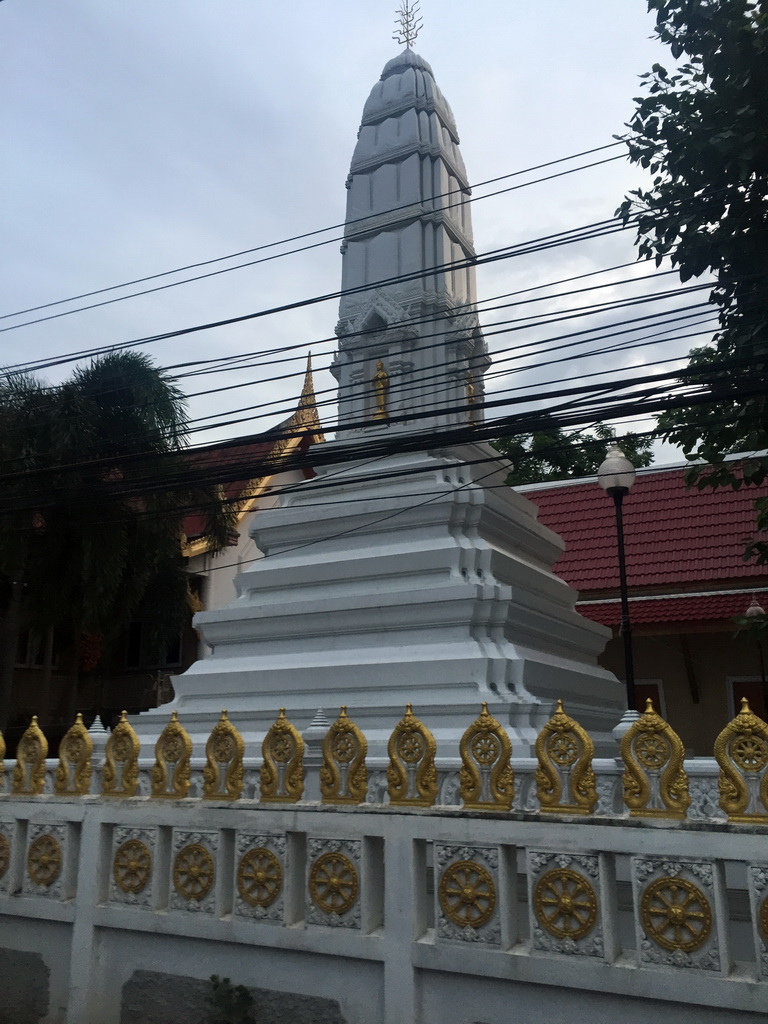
{"x":409,"y":23}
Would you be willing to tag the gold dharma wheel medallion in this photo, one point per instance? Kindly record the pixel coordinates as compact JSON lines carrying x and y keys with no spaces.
{"x":676,"y":914}
{"x":762,"y":917}
{"x":344,"y":747}
{"x":750,"y":753}
{"x":485,"y":748}
{"x":259,"y":877}
{"x":44,"y":860}
{"x":132,"y":866}
{"x":565,"y":904}
{"x":193,"y":872}
{"x":5,"y":855}
{"x":410,"y":747}
{"x":333,"y":883}
{"x":652,"y":750}
{"x":563,"y":748}
{"x":467,"y":894}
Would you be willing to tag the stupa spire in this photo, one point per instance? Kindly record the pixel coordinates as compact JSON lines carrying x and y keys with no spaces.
{"x":409,"y":23}
{"x":409,"y":337}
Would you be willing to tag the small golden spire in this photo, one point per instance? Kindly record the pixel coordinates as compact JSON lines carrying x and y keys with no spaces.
{"x":409,"y":23}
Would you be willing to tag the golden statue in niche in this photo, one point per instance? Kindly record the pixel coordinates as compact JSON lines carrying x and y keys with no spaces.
{"x":470,"y":399}
{"x":381,"y":391}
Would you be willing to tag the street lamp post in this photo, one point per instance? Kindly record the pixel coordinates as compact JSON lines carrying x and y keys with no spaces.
{"x":616,"y":476}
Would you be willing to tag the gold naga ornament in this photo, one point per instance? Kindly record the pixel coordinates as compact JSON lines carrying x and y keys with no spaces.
{"x":282,"y":771}
{"x":411,"y":775}
{"x":343,"y":775}
{"x":2,"y":758}
{"x":73,"y":772}
{"x":29,"y":770}
{"x":741,"y":751}
{"x":486,"y":778}
{"x":172,"y":770}
{"x":223,"y":772}
{"x":120,"y":776}
{"x":565,"y":781}
{"x":655,"y":782}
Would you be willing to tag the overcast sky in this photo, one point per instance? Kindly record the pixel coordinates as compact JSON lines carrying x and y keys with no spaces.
{"x":147,"y":135}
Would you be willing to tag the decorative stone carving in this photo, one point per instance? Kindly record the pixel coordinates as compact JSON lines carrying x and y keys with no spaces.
{"x":260,"y":876}
{"x":758,"y":892}
{"x":741,"y":751}
{"x":223,"y":771}
{"x":705,"y":798}
{"x":467,"y":894}
{"x":449,"y":789}
{"x":45,"y":861}
{"x":565,"y":781}
{"x":411,"y":776}
{"x":282,"y":772}
{"x":193,"y":872}
{"x":132,"y":877}
{"x":172,"y":770}
{"x":565,"y":908}
{"x":486,"y":777}
{"x":343,"y":775}
{"x":120,"y":776}
{"x":333,"y":882}
{"x":29,"y":770}
{"x":73,"y":772}
{"x":377,"y":788}
{"x":675,"y":921}
{"x":655,"y":782}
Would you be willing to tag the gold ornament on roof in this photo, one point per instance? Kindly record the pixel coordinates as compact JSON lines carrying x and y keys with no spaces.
{"x":172,"y":770}
{"x":282,"y":771}
{"x":223,"y":772}
{"x":409,"y":23}
{"x":259,"y":877}
{"x":411,"y":775}
{"x":132,"y":866}
{"x":343,"y":775}
{"x":380,"y":391}
{"x":29,"y":770}
{"x":486,"y":777}
{"x":193,"y":872}
{"x":655,"y":782}
{"x":741,"y":751}
{"x":5,"y":854}
{"x":565,"y":781}
{"x":73,"y":772}
{"x":120,"y":776}
{"x":334,"y":883}
{"x":676,"y":914}
{"x":467,"y":894}
{"x":565,"y":904}
{"x":44,"y":860}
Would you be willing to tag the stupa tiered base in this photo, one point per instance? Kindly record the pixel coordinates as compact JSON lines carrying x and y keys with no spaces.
{"x":420,"y":578}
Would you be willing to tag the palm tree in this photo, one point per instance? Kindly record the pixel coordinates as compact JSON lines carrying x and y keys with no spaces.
{"x":92,"y":500}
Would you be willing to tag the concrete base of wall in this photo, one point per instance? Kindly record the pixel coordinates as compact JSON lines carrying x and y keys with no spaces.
{"x":24,"y":987}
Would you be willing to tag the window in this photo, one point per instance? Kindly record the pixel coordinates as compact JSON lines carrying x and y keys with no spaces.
{"x":645,"y":688}
{"x":751,"y":687}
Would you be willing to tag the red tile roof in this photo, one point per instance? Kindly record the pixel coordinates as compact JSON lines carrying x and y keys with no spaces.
{"x":704,"y":607}
{"x":675,"y":536}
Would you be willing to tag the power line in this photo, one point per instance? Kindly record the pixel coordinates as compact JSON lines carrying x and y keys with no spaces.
{"x":307,"y":234}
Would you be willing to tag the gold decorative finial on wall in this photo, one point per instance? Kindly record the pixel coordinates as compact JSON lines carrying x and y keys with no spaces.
{"x":409,"y":23}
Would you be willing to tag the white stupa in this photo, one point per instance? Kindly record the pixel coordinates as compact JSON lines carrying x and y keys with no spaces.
{"x":415,"y":578}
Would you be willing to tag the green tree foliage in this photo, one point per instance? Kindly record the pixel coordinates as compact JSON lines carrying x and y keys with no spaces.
{"x":90,"y":514}
{"x":701,"y":130}
{"x":556,"y":454}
